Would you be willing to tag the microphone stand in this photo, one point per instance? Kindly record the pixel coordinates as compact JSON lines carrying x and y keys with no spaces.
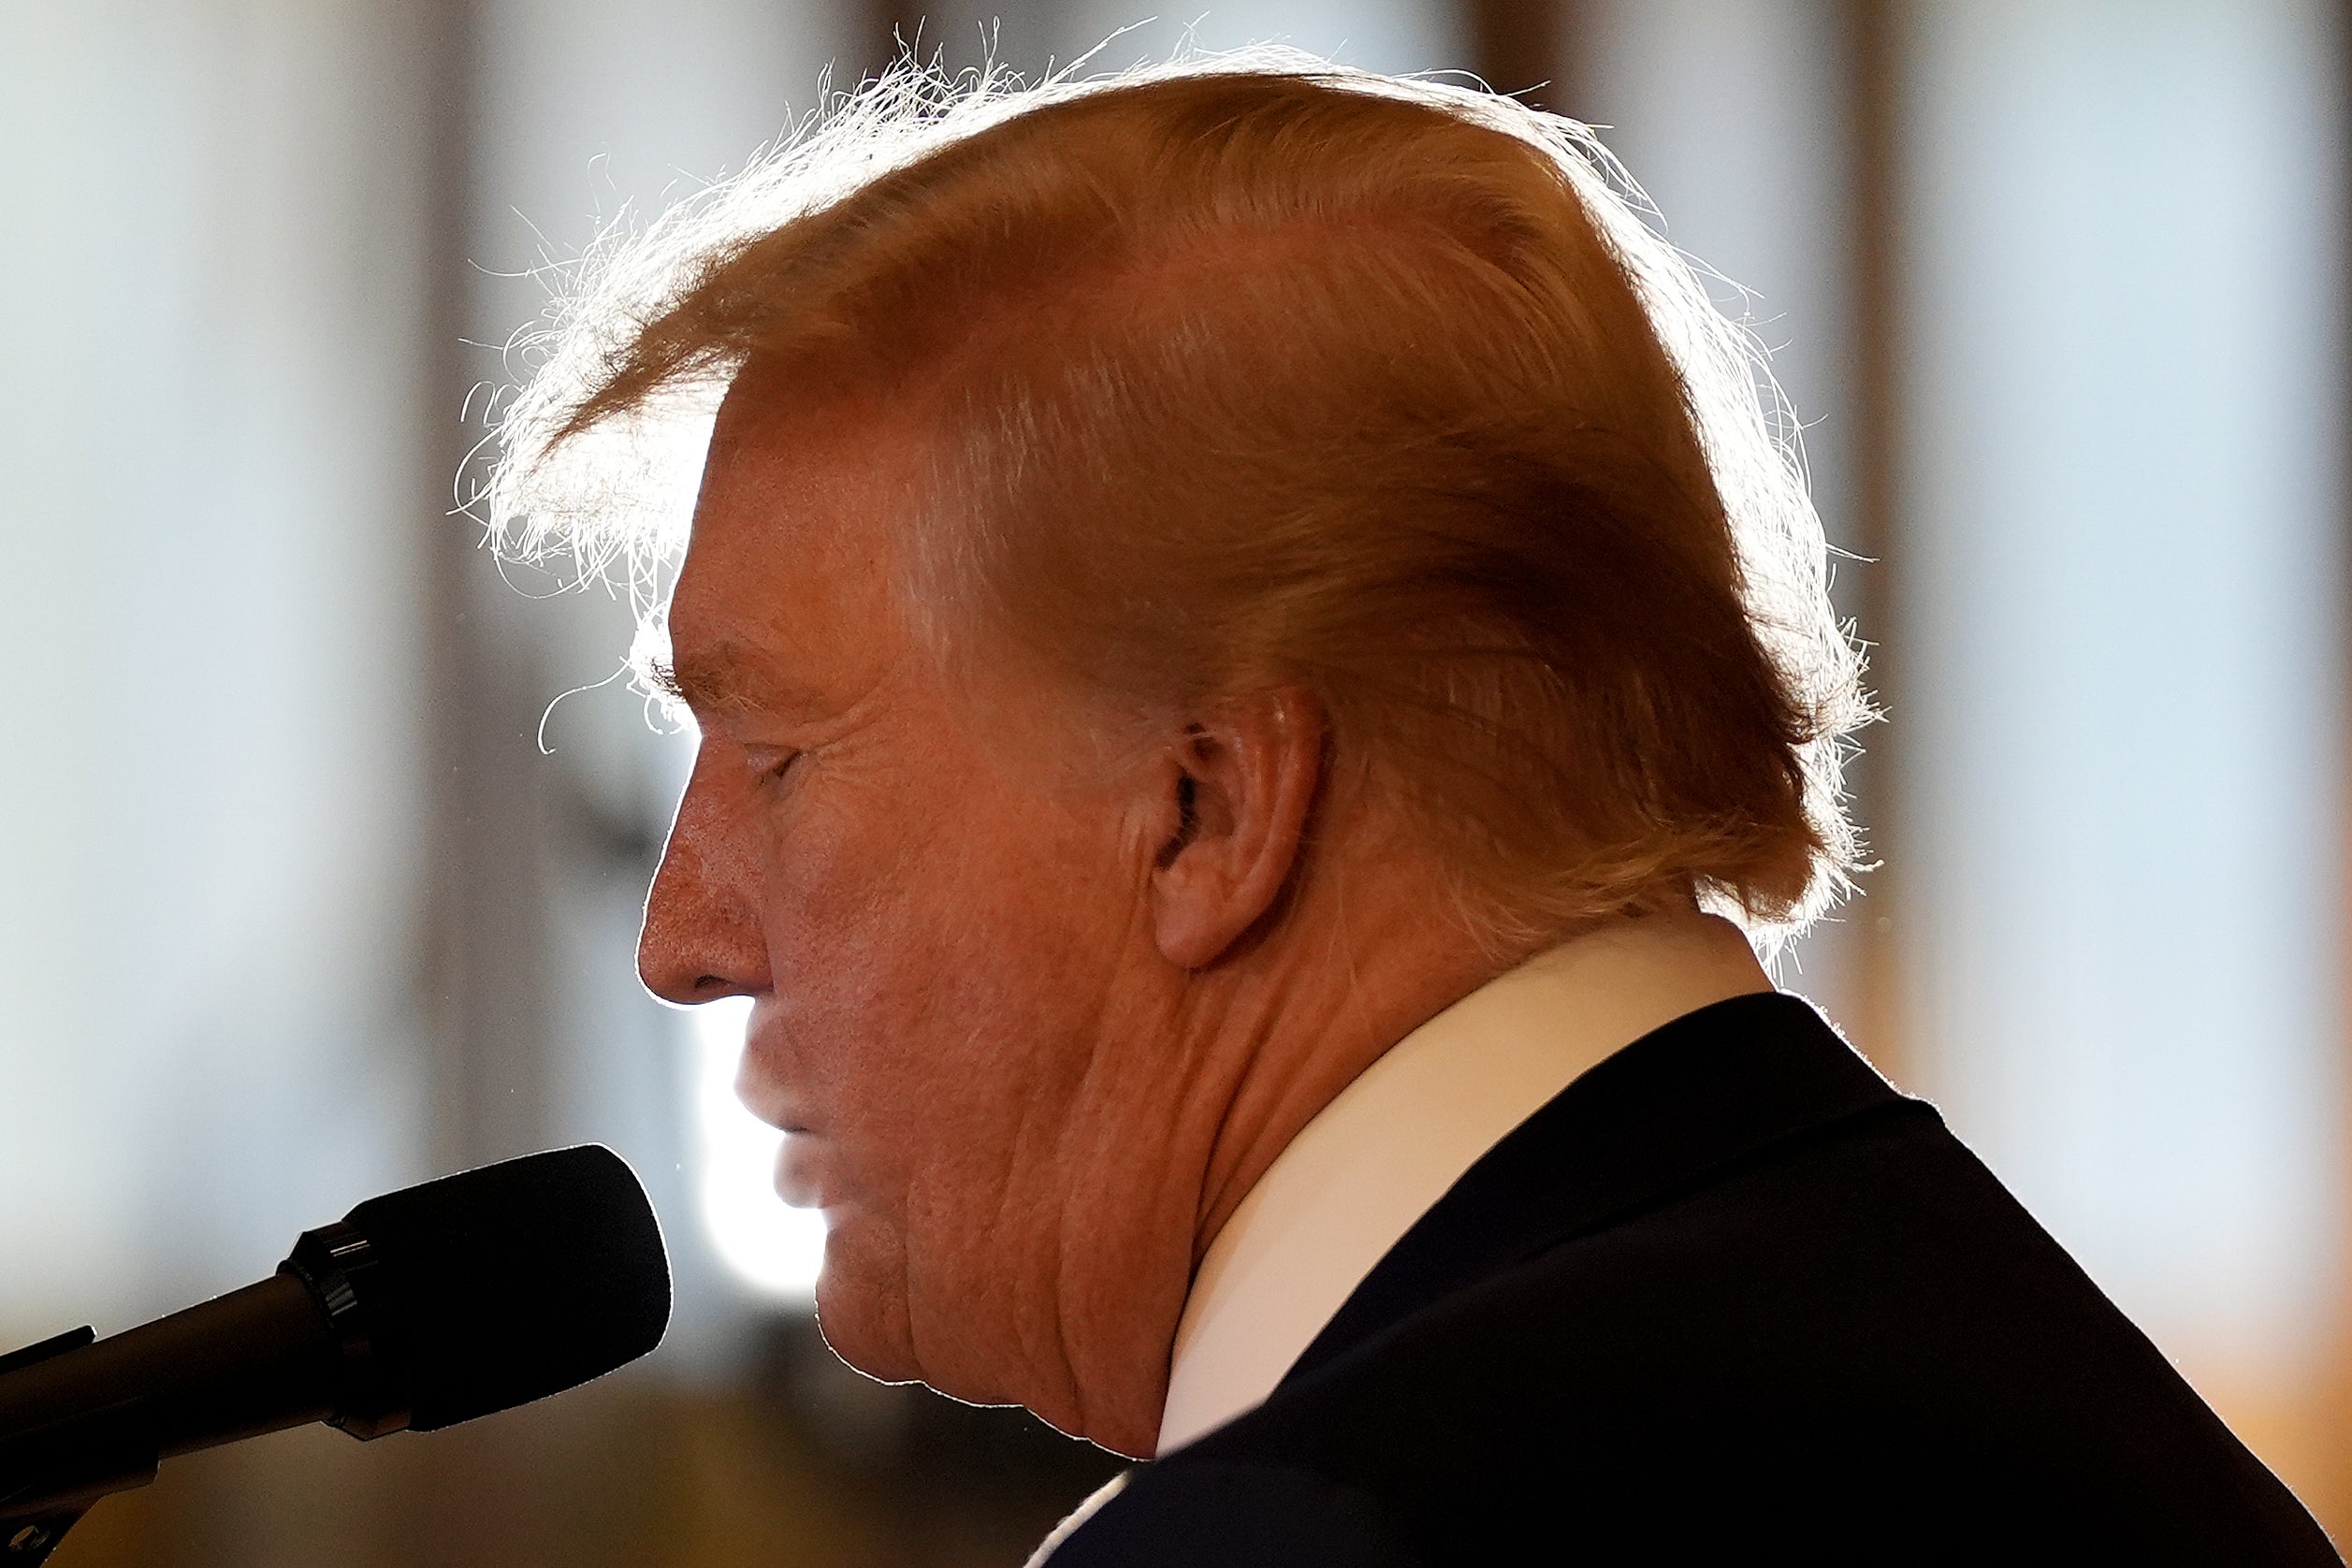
{"x":55,"y":1472}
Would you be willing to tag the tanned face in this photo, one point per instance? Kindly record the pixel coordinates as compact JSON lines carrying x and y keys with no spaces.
{"x":1034,"y":1012}
{"x":959,"y":1017}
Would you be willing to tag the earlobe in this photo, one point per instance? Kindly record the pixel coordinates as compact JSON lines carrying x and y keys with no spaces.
{"x":1236,"y":810}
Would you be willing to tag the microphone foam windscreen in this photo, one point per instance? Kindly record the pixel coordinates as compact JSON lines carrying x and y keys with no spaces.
{"x":503,"y":1284}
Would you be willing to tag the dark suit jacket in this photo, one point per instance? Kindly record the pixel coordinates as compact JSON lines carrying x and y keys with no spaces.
{"x":1728,"y":1296}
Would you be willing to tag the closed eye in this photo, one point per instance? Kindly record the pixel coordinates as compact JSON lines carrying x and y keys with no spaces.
{"x":770,"y":763}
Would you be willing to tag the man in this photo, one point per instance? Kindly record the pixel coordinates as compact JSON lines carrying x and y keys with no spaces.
{"x":1255,"y":655}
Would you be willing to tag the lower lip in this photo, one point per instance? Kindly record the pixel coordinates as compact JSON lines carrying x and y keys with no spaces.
{"x":800,"y":1170}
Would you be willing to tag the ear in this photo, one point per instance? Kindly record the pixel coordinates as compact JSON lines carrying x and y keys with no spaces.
{"x":1241,"y":786}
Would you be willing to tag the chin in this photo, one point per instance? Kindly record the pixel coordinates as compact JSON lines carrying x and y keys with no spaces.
{"x":867,"y":1320}
{"x":862,"y":1311}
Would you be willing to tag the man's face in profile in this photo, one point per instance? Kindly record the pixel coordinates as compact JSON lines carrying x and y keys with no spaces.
{"x":941,"y":933}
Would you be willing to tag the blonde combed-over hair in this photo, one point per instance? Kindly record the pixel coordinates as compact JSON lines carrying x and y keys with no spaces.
{"x":1249,"y":370}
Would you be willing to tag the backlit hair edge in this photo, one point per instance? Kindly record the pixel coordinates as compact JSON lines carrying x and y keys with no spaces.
{"x":613,"y":498}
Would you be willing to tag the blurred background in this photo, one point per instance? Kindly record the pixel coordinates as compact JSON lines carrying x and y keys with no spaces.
{"x":321,"y":839}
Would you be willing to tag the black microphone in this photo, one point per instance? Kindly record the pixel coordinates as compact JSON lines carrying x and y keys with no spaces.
{"x":417,"y":1310}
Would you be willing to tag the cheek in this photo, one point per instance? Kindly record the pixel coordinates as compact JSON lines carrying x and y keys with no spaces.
{"x":938,"y":956}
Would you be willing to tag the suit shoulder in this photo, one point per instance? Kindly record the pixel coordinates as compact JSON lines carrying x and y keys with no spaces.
{"x":1860,"y":1343}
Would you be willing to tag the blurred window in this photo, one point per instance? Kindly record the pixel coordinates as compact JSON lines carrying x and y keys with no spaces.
{"x":2118,"y":719}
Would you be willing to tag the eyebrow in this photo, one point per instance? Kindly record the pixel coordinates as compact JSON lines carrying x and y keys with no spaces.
{"x":708,"y":683}
{"x":718,"y":680}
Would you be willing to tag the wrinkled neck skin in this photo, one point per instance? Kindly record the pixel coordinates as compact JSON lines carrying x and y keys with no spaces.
{"x":1244,"y":1052}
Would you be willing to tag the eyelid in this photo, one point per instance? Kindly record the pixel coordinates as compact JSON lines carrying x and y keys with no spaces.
{"x":770,"y":760}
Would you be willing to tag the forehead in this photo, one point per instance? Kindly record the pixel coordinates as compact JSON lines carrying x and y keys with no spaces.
{"x":792,"y":578}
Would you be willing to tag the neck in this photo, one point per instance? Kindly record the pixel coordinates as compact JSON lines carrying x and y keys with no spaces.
{"x":1355,"y":1179}
{"x":1287,"y":1040}
{"x":1242,"y":1056}
{"x":1323,"y":1021}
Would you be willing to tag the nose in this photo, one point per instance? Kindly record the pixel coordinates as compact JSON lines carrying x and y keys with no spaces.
{"x":701,"y":938}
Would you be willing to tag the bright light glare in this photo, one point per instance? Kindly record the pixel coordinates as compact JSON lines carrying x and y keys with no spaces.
{"x":774,"y":1251}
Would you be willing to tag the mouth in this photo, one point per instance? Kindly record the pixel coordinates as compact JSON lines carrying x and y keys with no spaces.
{"x":761,"y":1091}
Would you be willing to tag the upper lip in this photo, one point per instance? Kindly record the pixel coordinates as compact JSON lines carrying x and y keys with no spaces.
{"x":766,"y":1093}
{"x":771,"y":1102}
{"x":773,"y":1109}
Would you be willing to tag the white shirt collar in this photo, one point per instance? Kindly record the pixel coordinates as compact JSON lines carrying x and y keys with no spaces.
{"x":1388,"y":1146}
